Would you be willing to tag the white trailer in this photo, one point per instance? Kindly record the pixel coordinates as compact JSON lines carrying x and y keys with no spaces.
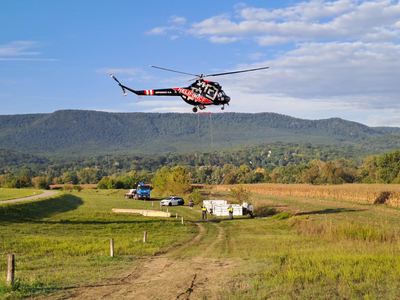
{"x":222,"y":210}
{"x":210,"y":204}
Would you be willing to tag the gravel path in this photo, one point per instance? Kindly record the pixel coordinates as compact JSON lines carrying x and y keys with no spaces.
{"x":43,"y":195}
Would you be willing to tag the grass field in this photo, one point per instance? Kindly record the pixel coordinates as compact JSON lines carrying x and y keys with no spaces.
{"x":314,"y":249}
{"x":63,"y":241}
{"x":8,"y":194}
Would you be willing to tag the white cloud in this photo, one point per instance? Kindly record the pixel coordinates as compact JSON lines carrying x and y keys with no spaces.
{"x":332,"y":79}
{"x":271,"y":40}
{"x":159,"y":30}
{"x":160,"y":104}
{"x":14,"y":50}
{"x":222,"y":39}
{"x":308,"y":21}
{"x":387,"y":119}
{"x":18,"y":48}
{"x":177,"y":20}
{"x":255,"y":56}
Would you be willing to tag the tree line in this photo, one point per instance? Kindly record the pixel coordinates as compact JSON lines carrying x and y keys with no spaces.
{"x":383,"y":168}
{"x":266,"y":156}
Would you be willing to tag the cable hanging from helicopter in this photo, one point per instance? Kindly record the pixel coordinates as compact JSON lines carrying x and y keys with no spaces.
{"x":199,"y":94}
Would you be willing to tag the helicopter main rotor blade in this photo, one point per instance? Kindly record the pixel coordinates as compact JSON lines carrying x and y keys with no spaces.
{"x":234,"y":72}
{"x":175,"y":71}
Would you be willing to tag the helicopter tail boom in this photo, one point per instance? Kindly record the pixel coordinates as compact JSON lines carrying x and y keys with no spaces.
{"x":160,"y":92}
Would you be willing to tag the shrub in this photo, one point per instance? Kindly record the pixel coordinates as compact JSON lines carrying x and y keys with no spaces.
{"x":41,"y":183}
{"x":264,"y":211}
{"x":77,"y":188}
{"x":103,"y":183}
{"x":68,"y":187}
{"x":282,"y":216}
{"x":383,"y":197}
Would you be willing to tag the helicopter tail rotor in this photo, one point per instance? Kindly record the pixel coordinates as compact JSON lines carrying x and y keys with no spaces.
{"x":122,"y":87}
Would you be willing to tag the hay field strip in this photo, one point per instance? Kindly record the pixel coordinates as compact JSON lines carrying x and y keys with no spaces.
{"x":359,"y":193}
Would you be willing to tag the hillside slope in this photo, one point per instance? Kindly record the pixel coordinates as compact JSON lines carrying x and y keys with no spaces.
{"x":84,"y":133}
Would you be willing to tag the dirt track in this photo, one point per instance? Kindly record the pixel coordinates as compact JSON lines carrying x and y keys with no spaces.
{"x":174,"y":275}
{"x":43,"y":195}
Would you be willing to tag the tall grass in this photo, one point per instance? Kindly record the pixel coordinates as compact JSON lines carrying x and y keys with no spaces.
{"x":346,"y":230}
{"x":304,"y":257}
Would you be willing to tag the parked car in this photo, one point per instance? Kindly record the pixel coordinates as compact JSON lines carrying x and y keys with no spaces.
{"x":173,"y":200}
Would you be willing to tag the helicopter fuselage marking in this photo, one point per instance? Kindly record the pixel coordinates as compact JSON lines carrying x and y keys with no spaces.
{"x":149,"y":92}
{"x":193,"y":95}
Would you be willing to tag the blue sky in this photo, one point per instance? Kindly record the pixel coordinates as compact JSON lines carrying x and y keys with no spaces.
{"x":326,"y":58}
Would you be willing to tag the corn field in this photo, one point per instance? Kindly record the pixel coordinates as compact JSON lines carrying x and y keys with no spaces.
{"x":360,"y":193}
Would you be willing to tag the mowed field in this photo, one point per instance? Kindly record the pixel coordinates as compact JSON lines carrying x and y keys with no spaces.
{"x":312,"y":248}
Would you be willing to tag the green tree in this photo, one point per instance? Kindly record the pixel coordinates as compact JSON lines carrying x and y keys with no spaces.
{"x":369,"y":172}
{"x":242,"y":173}
{"x":88,"y":175}
{"x":313,"y":172}
{"x":196,"y":196}
{"x":160,"y":179}
{"x":230,"y":178}
{"x":240,"y":192}
{"x":176,"y":180}
{"x":331,"y":173}
{"x":388,"y":166}
{"x":179,"y":182}
{"x":70,"y":178}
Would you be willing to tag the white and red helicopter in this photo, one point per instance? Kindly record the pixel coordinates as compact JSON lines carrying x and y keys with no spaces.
{"x":200,"y":94}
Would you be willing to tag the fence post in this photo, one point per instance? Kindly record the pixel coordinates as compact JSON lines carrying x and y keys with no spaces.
{"x":11,"y":269}
{"x":152,"y":203}
{"x":182,"y":220}
{"x":177,"y":215}
{"x":112,"y":247}
{"x":145,"y":237}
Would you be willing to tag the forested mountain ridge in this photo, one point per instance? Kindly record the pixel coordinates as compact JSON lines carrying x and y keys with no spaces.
{"x":69,"y":133}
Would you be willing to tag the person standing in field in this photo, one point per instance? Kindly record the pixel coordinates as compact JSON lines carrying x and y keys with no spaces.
{"x":204,"y":212}
{"x":191,"y":204}
{"x":251,"y":208}
{"x":244,"y":207}
{"x":230,"y":209}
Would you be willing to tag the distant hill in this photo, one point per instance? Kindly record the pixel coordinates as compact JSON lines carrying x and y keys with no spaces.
{"x":77,"y":133}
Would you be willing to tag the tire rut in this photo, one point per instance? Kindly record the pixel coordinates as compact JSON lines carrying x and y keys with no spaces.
{"x":171,"y":275}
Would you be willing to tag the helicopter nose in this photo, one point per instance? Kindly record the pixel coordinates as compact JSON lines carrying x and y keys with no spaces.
{"x":227,"y":99}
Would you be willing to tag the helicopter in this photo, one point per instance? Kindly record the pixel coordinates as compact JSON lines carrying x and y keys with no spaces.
{"x":200,"y":93}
